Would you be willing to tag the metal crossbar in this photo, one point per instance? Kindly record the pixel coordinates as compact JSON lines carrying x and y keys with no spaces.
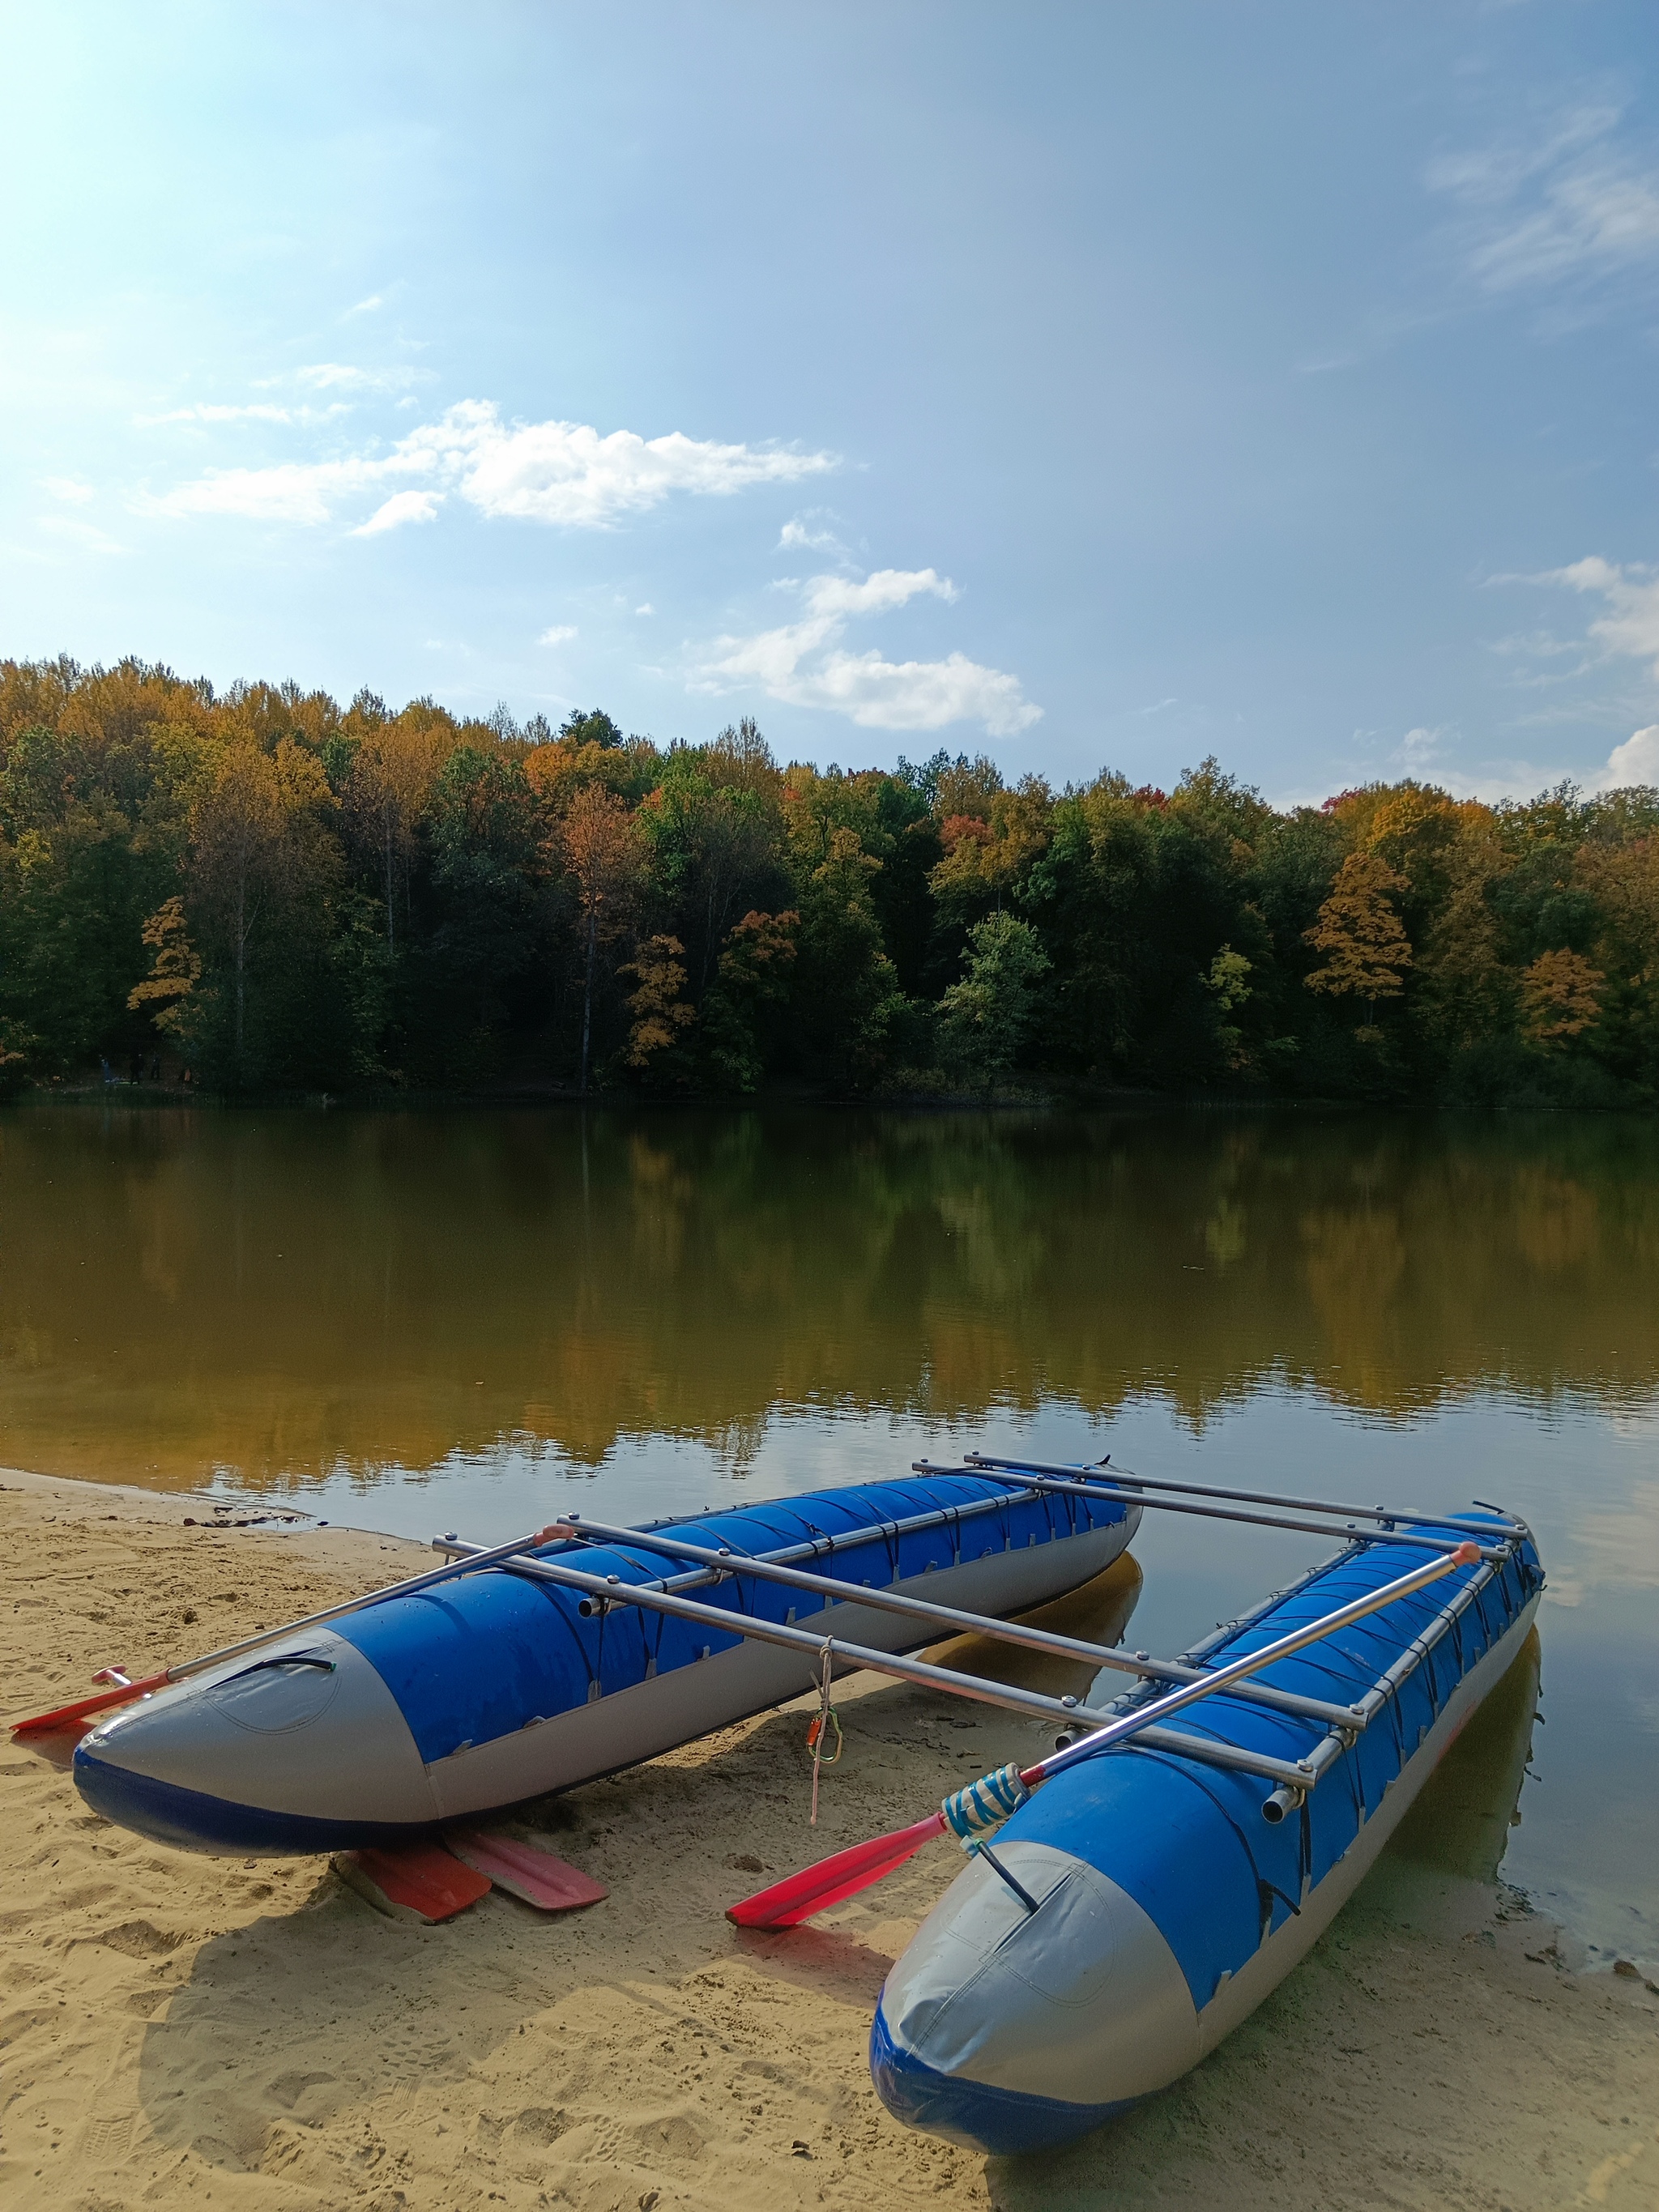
{"x":1386,"y":1516}
{"x":728,"y":1566}
{"x":612,"y":1590}
{"x":1074,"y":1482}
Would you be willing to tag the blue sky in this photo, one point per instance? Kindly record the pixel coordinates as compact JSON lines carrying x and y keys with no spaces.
{"x":1094,"y":384}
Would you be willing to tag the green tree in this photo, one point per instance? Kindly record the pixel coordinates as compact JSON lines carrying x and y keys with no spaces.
{"x":847,"y":995}
{"x":984,"y":1019}
{"x":751,"y":992}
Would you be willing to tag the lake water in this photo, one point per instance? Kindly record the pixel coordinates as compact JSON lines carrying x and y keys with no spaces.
{"x":466,"y":1321}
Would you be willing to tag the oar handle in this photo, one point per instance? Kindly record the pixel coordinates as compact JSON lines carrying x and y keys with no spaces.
{"x":42,"y":1723}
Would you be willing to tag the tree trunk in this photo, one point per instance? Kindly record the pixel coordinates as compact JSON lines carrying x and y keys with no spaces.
{"x":587,"y":992}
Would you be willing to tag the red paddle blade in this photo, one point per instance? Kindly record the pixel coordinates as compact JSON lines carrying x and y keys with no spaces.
{"x":550,"y":1884}
{"x":798,"y":1896}
{"x":413,"y":1882}
{"x":83,"y":1708}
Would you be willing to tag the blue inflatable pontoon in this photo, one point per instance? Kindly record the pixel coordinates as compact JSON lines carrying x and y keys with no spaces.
{"x":1165,"y":1894}
{"x":459,"y":1700}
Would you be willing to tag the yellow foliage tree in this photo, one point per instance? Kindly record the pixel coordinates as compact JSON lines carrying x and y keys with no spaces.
{"x":175,"y":966}
{"x":392,"y":778}
{"x":1560,"y":997}
{"x":1363,"y":941}
{"x":660,"y":1015}
{"x":599,"y":843}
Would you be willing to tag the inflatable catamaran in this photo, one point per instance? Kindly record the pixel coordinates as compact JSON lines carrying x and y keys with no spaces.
{"x":1149,"y":1882}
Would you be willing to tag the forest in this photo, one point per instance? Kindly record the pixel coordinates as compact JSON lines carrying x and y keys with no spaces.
{"x":259,"y":893}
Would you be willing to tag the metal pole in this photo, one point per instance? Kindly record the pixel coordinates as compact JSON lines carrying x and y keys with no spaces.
{"x":818,"y":1547}
{"x":1385,"y":1514}
{"x":1283,"y":1647}
{"x":614,"y":1591}
{"x":1075,"y":1486}
{"x":729,"y":1564}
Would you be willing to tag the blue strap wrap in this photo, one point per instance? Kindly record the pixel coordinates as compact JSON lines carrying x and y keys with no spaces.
{"x":983,"y":1806}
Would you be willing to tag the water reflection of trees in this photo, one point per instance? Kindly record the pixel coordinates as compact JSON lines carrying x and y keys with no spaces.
{"x":296,"y":1292}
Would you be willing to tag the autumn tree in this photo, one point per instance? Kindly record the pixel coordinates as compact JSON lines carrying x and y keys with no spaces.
{"x":1366,"y":948}
{"x":261,"y":862}
{"x":599,"y":842}
{"x":1229,"y":984}
{"x":233,"y":864}
{"x":1560,"y":998}
{"x":175,"y":966}
{"x":390,"y":781}
{"x":848,"y":989}
{"x":662,"y":1015}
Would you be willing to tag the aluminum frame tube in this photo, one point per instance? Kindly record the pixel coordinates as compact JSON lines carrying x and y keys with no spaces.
{"x":1078,"y":1486}
{"x":1385,"y":1514}
{"x":731,"y":1566}
{"x":614,"y":1591}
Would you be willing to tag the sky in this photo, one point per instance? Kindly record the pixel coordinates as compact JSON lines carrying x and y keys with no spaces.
{"x":1105,"y":384}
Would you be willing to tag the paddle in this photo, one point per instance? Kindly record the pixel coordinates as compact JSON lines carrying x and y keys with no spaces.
{"x":83,"y":1708}
{"x":798,"y":1896}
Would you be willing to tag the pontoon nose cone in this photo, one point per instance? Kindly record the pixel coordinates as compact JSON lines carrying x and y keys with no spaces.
{"x":1007,"y":2030}
{"x":301,"y":1747}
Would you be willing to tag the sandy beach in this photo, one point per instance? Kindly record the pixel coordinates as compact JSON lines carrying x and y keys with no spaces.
{"x":176,"y":2029}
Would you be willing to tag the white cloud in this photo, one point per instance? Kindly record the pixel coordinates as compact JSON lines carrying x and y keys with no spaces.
{"x":797,"y":536}
{"x":561,"y":473}
{"x":1636,"y":761}
{"x":1418,"y":748}
{"x":1630,"y":625}
{"x":645,"y":608}
{"x":566,"y":472}
{"x":86,"y":535}
{"x":805,"y":664}
{"x":1570,"y":206}
{"x":293,"y":491}
{"x":368,"y":306}
{"x":918,"y":694}
{"x":835,"y":597}
{"x":341,"y":376}
{"x":560,"y":633}
{"x":256,"y":411}
{"x":68,"y":488}
{"x":402,"y":507}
